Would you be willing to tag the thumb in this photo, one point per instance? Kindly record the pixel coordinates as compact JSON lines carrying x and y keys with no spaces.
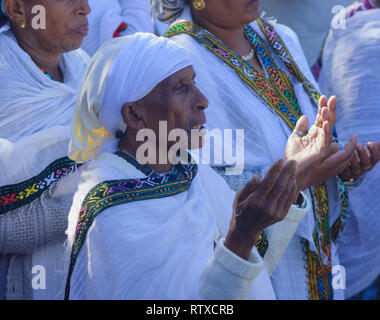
{"x":302,"y":124}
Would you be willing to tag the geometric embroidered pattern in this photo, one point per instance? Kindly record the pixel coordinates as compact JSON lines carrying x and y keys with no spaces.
{"x":17,"y":195}
{"x":111,"y":193}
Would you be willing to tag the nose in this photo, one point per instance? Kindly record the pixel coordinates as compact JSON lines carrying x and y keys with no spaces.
{"x":83,"y":8}
{"x":201,"y":102}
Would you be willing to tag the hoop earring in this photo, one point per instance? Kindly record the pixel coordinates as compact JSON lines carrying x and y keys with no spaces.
{"x":199,"y":4}
{"x":23,"y":24}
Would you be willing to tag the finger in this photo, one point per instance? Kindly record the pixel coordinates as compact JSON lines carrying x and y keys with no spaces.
{"x":322,"y":102}
{"x":365,"y":161}
{"x":334,"y":148}
{"x":331,"y":105}
{"x":270,"y":178}
{"x":284,"y":182}
{"x":302,"y":125}
{"x":248,"y":189}
{"x":374,"y":149}
{"x":285,"y":202}
{"x":325,"y":137}
{"x":325,"y":114}
{"x":355,"y":165}
{"x":344,"y":156}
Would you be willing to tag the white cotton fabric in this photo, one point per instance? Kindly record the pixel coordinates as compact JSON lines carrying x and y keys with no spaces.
{"x":160,"y":248}
{"x":350,"y":70}
{"x":265,"y":133}
{"x":124,"y":70}
{"x":107,"y":15}
{"x":35,"y":113}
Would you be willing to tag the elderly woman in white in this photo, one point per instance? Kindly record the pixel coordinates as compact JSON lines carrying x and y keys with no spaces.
{"x":169,"y":229}
{"x":256,"y":78}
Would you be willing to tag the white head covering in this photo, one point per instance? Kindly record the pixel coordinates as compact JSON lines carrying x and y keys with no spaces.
{"x":168,"y":10}
{"x":124,"y":70}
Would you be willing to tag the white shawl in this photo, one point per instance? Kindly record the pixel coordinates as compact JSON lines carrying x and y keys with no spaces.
{"x":158,"y":248}
{"x":233,"y":105}
{"x":35,"y":113}
{"x":351,"y":67}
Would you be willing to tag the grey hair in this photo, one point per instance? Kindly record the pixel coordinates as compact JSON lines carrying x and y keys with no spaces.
{"x":168,"y":10}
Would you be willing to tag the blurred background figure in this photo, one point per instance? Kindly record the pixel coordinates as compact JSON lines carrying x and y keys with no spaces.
{"x":115,"y":18}
{"x":350,"y":67}
{"x":310,"y":19}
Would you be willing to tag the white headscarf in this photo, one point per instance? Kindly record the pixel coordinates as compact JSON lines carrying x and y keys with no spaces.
{"x":168,"y":10}
{"x":124,"y":70}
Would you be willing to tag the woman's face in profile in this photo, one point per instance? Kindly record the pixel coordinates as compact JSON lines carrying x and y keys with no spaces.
{"x":65,"y":24}
{"x":230,"y":13}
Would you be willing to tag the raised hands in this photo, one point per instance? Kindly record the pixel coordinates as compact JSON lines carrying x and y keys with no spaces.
{"x":261,"y":204}
{"x":363,"y":160}
{"x":318,"y":159}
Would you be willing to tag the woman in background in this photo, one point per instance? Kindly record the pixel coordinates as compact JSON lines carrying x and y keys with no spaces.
{"x":41,"y":71}
{"x":350,"y":69}
{"x":256,"y":78}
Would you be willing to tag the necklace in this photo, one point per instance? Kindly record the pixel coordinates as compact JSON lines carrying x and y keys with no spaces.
{"x":46,"y":73}
{"x":249,"y":56}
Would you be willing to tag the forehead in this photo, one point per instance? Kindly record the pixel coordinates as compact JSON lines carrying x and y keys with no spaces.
{"x":186,"y":73}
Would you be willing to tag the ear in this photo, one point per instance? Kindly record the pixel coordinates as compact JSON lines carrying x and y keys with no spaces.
{"x":132,"y":116}
{"x":16,"y":10}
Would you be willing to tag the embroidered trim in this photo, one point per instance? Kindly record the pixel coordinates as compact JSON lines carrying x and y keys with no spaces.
{"x":284,"y":103}
{"x":111,"y":193}
{"x":262,"y":244}
{"x":20,"y":194}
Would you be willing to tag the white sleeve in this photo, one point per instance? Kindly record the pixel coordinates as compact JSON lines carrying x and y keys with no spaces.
{"x":281,"y":233}
{"x":227,"y":276}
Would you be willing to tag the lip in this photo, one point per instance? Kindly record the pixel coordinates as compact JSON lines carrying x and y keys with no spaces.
{"x":199,"y":123}
{"x":81,"y":30}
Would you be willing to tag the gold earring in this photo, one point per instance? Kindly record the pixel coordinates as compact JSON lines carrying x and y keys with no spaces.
{"x":23,"y":24}
{"x":199,"y":4}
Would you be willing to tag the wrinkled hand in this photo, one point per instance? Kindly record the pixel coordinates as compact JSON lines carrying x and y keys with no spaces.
{"x":261,"y":204}
{"x":362,"y":161}
{"x":318,"y":159}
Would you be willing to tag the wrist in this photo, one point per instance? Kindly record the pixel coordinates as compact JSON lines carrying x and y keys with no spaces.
{"x":241,"y":245}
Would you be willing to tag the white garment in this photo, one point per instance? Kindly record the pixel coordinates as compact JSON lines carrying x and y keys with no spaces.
{"x":106,"y":17}
{"x":265,"y":133}
{"x":159,"y":248}
{"x":29,"y":100}
{"x":350,"y":70}
{"x":34,"y":132}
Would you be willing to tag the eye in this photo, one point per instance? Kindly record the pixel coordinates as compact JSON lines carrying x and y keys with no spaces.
{"x":179,"y":86}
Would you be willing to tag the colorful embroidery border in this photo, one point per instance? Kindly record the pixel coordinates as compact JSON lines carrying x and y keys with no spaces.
{"x":111,"y":193}
{"x":20,"y":194}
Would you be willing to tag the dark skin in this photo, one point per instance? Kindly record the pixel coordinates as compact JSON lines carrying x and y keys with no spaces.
{"x":259,"y":204}
{"x":226,"y":20}
{"x":66,"y":26}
